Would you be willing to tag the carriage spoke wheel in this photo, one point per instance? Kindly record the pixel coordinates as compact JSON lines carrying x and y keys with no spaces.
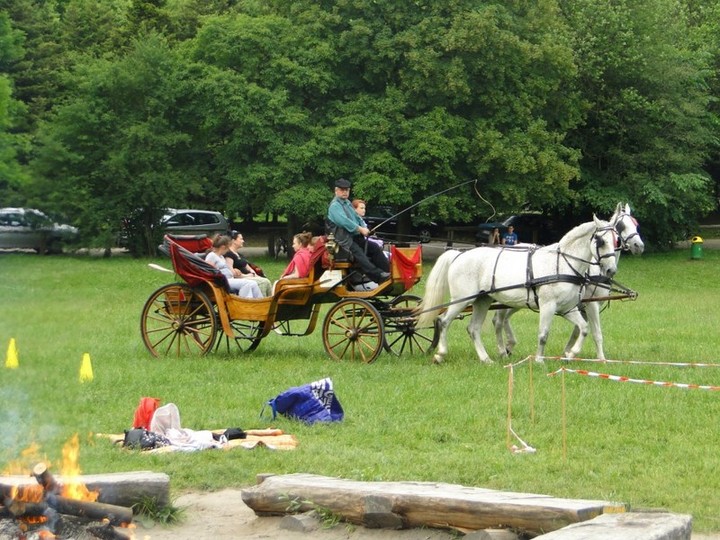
{"x":401,"y":334}
{"x":353,"y":330}
{"x":178,"y":320}
{"x":248,"y":335}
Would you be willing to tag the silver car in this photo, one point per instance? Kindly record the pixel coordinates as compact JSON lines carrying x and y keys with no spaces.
{"x":194,"y":222}
{"x":28,"y":228}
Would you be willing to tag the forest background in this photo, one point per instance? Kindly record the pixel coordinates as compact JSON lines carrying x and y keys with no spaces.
{"x":117,"y":108}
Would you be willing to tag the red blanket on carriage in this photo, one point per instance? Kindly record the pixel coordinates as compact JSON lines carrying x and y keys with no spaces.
{"x":405,"y":264}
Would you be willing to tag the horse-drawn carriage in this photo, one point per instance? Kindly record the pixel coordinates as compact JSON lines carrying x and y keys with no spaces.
{"x":187,"y":317}
{"x":191,"y":317}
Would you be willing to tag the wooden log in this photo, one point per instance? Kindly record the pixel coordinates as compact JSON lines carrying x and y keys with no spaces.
{"x":45,"y":478}
{"x":94,"y":511}
{"x":122,"y":489}
{"x":424,"y":503}
{"x":18,"y":509}
{"x":628,"y":526}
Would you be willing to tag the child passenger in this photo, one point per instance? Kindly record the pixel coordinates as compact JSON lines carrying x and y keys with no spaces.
{"x":244,"y":288}
{"x":299,"y":266}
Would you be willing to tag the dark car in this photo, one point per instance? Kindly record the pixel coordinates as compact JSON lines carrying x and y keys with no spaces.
{"x":531,"y":228}
{"x":28,"y":228}
{"x":385,"y":218}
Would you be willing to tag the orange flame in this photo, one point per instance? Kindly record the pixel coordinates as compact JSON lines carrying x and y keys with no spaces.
{"x":72,"y":488}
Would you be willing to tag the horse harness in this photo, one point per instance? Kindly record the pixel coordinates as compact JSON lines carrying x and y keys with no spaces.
{"x":576,"y":278}
{"x":532,"y":283}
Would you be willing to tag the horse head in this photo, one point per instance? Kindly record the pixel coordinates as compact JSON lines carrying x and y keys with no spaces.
{"x":627,"y":228}
{"x":604,"y":241}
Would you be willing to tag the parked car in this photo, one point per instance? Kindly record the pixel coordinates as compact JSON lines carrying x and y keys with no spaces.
{"x":531,"y":228}
{"x":194,"y":222}
{"x":386,"y":216}
{"x":28,"y":228}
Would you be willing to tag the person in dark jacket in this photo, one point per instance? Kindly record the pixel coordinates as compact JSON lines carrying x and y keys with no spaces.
{"x":351,"y":234}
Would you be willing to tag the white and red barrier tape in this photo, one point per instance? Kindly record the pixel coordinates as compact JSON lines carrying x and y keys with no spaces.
{"x":586,"y":373}
{"x":620,"y":378}
{"x":636,"y":362}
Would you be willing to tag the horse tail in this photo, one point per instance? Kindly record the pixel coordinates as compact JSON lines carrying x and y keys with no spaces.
{"x":436,"y":289}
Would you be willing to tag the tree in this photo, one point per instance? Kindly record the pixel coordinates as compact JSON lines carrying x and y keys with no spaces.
{"x":647,"y":130}
{"x":116,"y":148}
{"x":12,"y":175}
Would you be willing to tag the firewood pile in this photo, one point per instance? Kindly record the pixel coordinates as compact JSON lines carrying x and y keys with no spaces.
{"x":53,"y":509}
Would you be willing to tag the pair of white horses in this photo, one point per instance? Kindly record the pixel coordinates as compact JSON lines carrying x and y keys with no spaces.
{"x":551,"y":279}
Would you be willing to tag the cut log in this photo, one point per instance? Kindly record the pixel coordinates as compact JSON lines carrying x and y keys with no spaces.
{"x":122,"y":489}
{"x":94,"y":511}
{"x":423,"y":504}
{"x":628,"y":526}
{"x":45,"y":478}
{"x":19,"y":509}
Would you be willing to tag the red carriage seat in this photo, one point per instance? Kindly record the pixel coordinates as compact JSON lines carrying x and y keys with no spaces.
{"x":193,"y":269}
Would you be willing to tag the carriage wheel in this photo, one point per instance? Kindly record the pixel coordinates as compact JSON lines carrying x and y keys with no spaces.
{"x":353,"y":329}
{"x":177,"y":319}
{"x":401,"y":334}
{"x":248,"y":335}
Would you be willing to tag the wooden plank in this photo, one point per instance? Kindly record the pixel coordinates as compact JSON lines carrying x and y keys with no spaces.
{"x":121,"y":489}
{"x":421,"y":504}
{"x":628,"y":526}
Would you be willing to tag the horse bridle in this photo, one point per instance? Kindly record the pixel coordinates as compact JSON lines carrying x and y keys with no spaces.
{"x":620,"y":227}
{"x":599,"y":241}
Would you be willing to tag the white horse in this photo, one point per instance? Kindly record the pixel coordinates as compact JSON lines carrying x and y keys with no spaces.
{"x":627,"y":229}
{"x":549,"y":279}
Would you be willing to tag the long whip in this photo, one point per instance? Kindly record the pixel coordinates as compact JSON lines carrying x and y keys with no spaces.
{"x":420,"y":202}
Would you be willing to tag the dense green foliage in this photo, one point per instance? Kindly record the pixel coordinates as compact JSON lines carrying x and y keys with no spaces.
{"x":406,"y":419}
{"x":124,"y":107}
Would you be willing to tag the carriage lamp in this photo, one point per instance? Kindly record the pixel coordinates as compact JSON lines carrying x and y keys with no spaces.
{"x":331,"y":247}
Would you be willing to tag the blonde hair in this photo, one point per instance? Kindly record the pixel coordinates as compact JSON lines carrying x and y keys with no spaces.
{"x":220,"y":240}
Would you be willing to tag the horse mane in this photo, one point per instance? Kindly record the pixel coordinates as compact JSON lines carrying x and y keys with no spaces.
{"x":577,"y":234}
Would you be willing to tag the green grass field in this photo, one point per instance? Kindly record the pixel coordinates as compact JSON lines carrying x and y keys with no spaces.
{"x":406,"y":419}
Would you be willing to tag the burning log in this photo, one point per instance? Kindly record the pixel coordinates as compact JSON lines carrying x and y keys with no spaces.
{"x":49,"y":500}
{"x":123,"y":489}
{"x":19,"y":509}
{"x":44,"y":478}
{"x":94,"y":511}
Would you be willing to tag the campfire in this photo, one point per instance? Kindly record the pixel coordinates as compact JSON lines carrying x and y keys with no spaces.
{"x":51,"y":509}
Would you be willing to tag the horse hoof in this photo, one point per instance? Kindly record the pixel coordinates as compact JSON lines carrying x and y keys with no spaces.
{"x":437,"y":359}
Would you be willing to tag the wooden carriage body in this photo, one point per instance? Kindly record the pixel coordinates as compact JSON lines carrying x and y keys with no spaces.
{"x":183,"y":317}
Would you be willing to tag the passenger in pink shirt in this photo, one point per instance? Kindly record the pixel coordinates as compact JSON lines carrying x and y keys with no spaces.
{"x":299,"y":267}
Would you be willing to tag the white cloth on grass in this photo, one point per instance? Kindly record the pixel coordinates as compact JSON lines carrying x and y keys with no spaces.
{"x":166,"y":422}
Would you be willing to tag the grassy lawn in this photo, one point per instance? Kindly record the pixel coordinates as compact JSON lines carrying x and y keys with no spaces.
{"x":406,"y":419}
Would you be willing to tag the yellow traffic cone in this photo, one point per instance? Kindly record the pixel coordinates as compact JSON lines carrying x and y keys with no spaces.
{"x":11,"y":362}
{"x":86,"y":372}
